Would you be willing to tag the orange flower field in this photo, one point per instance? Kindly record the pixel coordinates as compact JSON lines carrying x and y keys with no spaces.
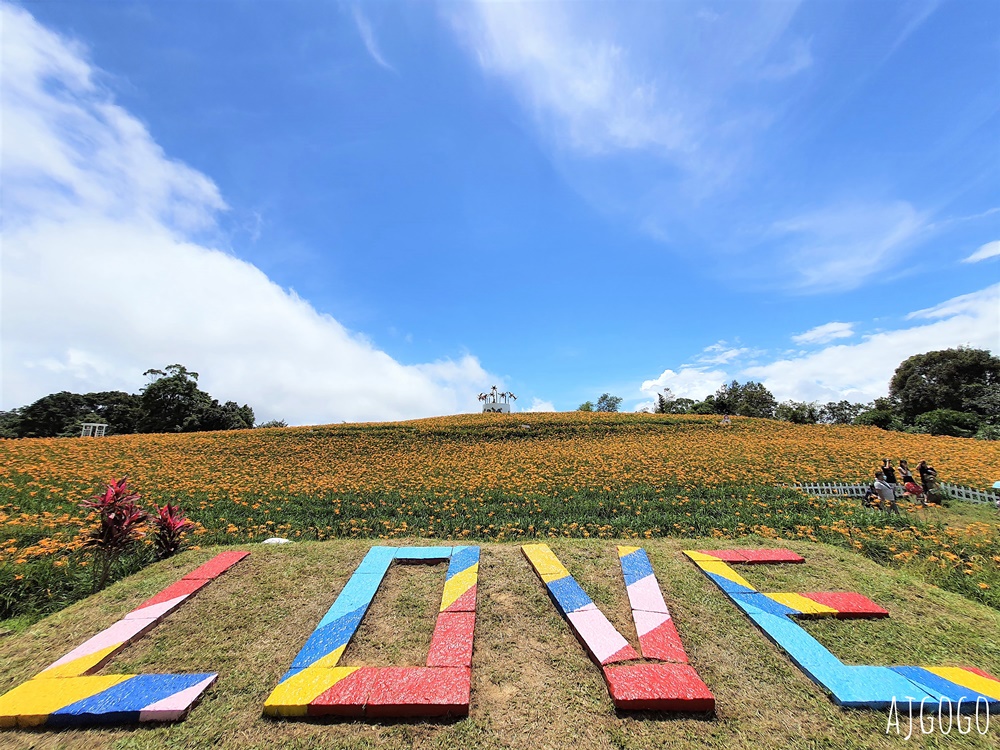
{"x":500,"y":477}
{"x":518,"y":455}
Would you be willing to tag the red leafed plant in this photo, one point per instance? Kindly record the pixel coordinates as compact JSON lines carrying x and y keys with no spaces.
{"x":168,"y":526}
{"x":121,"y":521}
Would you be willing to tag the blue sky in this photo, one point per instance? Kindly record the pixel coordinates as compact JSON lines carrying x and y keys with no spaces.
{"x":375,"y":211}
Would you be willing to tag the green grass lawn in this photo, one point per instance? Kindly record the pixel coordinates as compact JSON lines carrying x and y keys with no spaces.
{"x":532,"y":683}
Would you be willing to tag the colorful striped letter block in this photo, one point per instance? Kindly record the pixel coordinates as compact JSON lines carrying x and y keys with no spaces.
{"x":316,"y":685}
{"x":69,"y":693}
{"x":850,"y":686}
{"x":672,"y":684}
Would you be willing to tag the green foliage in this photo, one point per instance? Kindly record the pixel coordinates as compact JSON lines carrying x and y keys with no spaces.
{"x":840,"y":412}
{"x":271,"y":423}
{"x":586,"y":406}
{"x":52,"y":415}
{"x":121,"y":411}
{"x":954,"y":379}
{"x":172,"y":402}
{"x":661,"y":404}
{"x":704,"y":407}
{"x":750,"y":399}
{"x":988,"y":432}
{"x":608,"y":403}
{"x":948,"y":422}
{"x":667,"y":404}
{"x":10,"y":423}
{"x":883,"y":418}
{"x":798,"y":412}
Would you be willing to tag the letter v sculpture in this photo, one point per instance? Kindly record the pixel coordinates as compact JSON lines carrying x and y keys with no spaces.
{"x":671,"y":684}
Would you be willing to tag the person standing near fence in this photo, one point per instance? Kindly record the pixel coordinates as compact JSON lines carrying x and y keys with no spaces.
{"x":928,"y":478}
{"x":886,"y":493}
{"x":890,"y":475}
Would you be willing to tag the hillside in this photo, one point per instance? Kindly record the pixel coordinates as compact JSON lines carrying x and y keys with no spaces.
{"x":495,"y":478}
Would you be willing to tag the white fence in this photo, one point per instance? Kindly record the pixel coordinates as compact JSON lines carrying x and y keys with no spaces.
{"x":824,"y":489}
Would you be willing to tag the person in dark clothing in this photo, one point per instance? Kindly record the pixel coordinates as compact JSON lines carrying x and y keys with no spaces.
{"x":905,"y":475}
{"x":889,"y":471}
{"x":928,"y":478}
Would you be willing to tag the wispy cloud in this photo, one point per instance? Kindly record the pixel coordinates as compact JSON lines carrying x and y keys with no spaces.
{"x":797,"y":58}
{"x":989,"y":250}
{"x":965,"y":304}
{"x":721,"y":353}
{"x":368,"y":37}
{"x":825,"y":333}
{"x":88,"y":194}
{"x":602,"y":81}
{"x":582,"y":85}
{"x":841,"y":247}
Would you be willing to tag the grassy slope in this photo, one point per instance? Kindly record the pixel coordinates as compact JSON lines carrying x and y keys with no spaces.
{"x":492,"y":478}
{"x":533,"y":686}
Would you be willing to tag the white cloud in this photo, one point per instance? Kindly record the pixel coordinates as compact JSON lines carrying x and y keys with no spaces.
{"x":841,"y":247}
{"x":989,"y":250}
{"x":857,"y":372}
{"x":103,"y":276}
{"x":603,"y":80}
{"x":687,"y":382}
{"x":825,"y":333}
{"x":537,"y":405}
{"x":582,"y":85}
{"x":861,"y":372}
{"x":719,"y":353}
{"x":368,"y":37}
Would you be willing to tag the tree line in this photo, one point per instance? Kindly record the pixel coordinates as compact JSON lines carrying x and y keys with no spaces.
{"x":946,"y":392}
{"x":170,"y":402}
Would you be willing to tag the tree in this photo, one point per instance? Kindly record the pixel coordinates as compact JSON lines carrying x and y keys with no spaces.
{"x":748,"y":400}
{"x":608,"y":403}
{"x":662,"y":404}
{"x":171,"y":401}
{"x":586,"y":406}
{"x":953,"y":379}
{"x":52,"y":416}
{"x":948,"y":422}
{"x":121,"y":411}
{"x":797,"y":412}
{"x":271,"y":423}
{"x":708,"y":406}
{"x":228,"y":416}
{"x":10,"y":423}
{"x":840,"y":412}
{"x":667,"y":403}
{"x":681,"y":406}
{"x":883,"y":418}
